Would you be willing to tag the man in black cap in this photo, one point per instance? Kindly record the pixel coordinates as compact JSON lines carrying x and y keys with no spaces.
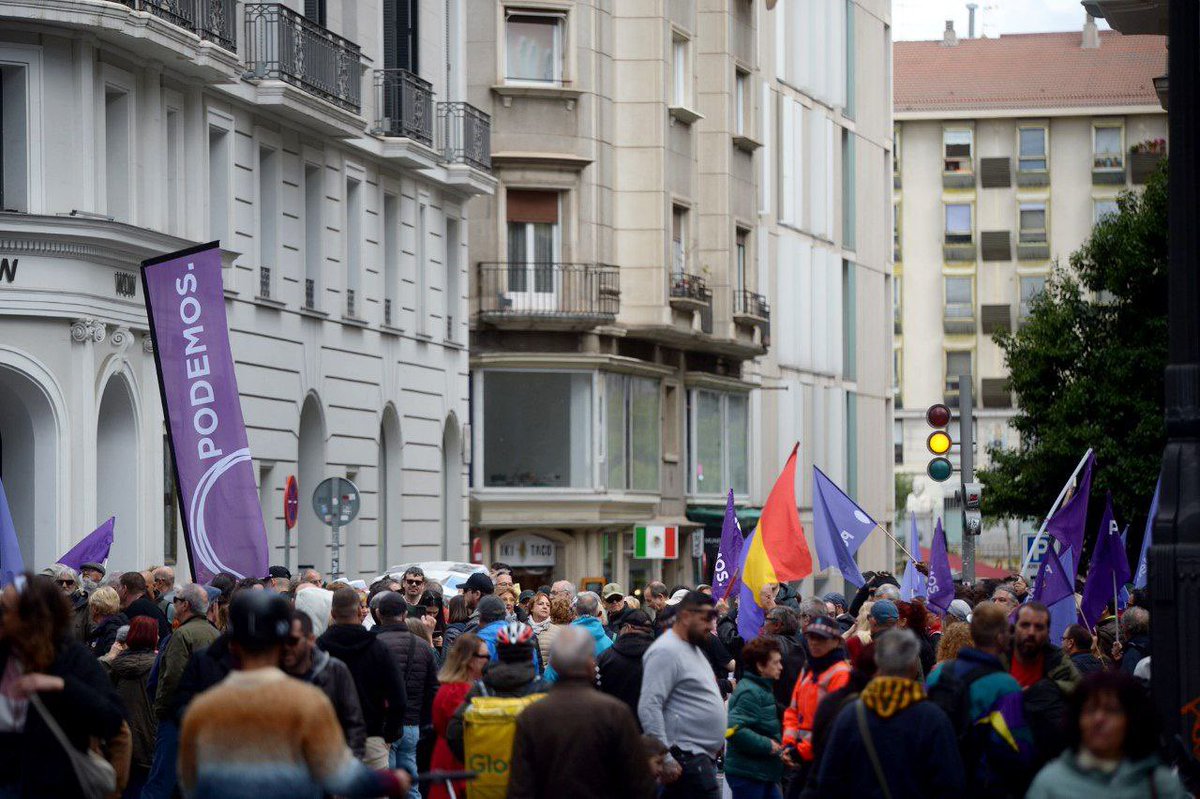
{"x":680,"y":703}
{"x":620,"y":666}
{"x":280,"y":577}
{"x":259,"y":726}
{"x":477,"y":586}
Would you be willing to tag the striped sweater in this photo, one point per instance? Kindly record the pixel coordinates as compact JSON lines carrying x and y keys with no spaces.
{"x":261,"y":734}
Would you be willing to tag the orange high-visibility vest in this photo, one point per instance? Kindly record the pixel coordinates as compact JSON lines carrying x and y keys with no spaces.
{"x":806,"y":696}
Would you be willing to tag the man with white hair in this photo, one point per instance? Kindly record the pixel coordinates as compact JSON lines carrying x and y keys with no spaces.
{"x":68,"y":582}
{"x":892,"y":741}
{"x":164,"y":586}
{"x":586,"y":608}
{"x":564,"y":589}
{"x":564,"y":744}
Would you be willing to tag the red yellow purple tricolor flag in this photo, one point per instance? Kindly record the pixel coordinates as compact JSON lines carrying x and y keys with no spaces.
{"x":776,"y":552}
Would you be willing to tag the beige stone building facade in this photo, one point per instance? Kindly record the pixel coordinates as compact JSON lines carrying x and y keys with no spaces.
{"x":995,"y":181}
{"x":683,"y":271}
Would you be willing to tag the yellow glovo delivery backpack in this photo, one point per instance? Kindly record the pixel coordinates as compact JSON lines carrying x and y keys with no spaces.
{"x":489,"y":726}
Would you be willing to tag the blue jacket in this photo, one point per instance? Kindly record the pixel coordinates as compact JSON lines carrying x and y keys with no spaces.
{"x":593,"y":626}
{"x":984,"y":692}
{"x":488,"y":635}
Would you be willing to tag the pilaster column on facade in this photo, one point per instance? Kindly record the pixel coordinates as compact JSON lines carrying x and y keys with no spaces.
{"x":84,"y":57}
{"x":152,"y":188}
{"x":86,"y":334}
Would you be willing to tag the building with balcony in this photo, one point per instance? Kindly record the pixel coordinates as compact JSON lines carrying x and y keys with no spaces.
{"x":670,"y":285}
{"x":1008,"y":151}
{"x":329,"y":147}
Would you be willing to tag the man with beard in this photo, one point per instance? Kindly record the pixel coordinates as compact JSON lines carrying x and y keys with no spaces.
{"x":1046,"y":675}
{"x":680,"y":703}
{"x":302,"y":659}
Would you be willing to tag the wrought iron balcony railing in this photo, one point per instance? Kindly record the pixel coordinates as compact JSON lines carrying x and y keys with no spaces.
{"x":387,"y":312}
{"x":466,"y":135}
{"x":567,"y":291}
{"x":284,"y":45}
{"x":406,"y":105}
{"x":310,"y":293}
{"x":212,"y":20}
{"x":350,"y":303}
{"x":264,"y":282}
{"x":749,"y":303}
{"x":690,"y":288}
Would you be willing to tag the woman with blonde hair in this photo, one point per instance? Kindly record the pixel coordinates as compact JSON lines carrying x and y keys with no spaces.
{"x":560,"y":617}
{"x":508,"y":595}
{"x":462,"y":669}
{"x":107,"y":618}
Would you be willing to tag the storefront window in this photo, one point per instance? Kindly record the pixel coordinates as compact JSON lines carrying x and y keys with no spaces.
{"x":719,"y":443}
{"x":634,"y":432}
{"x":537,"y":429}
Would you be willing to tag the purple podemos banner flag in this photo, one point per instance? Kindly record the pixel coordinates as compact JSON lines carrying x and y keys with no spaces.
{"x":222,"y":519}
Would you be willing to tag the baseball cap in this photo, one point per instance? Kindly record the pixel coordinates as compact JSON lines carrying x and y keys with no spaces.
{"x":679,"y":596}
{"x":93,"y":567}
{"x":835,"y":598}
{"x":637,"y":618}
{"x":885,"y":611}
{"x":823,"y":627}
{"x":611,"y":590}
{"x":259,"y":617}
{"x":960,"y":610}
{"x":276,"y":572}
{"x":479,"y":582}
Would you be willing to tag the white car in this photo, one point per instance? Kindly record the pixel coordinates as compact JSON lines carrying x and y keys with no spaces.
{"x":449,"y":573}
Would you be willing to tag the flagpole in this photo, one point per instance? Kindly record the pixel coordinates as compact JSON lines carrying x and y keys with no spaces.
{"x":897,"y":543}
{"x":1116,"y":601}
{"x":1053,"y":508}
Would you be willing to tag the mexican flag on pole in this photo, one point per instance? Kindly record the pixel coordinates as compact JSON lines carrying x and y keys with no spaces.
{"x":656,"y":542}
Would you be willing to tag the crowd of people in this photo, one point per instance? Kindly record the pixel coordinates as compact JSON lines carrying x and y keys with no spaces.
{"x":129,"y":685}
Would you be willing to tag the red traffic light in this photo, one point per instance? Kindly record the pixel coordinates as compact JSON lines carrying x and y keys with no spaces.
{"x":938,"y":415}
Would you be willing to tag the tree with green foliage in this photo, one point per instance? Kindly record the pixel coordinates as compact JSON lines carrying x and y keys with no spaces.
{"x":1087,"y":370}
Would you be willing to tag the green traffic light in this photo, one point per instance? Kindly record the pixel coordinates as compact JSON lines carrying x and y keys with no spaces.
{"x":939,"y":470}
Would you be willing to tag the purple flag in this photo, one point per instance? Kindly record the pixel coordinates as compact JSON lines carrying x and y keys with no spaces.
{"x":941,"y":582}
{"x":1053,"y":582}
{"x":839,"y":527}
{"x":1067,"y":525}
{"x":12,"y":565}
{"x":92,"y":549}
{"x":222,"y":519}
{"x":1142,"y":575}
{"x":1109,"y":570}
{"x":725,"y":579}
{"x":913,"y":583}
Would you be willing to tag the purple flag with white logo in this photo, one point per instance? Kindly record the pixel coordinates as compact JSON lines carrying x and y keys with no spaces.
{"x":1109,"y":569}
{"x":725,"y":578}
{"x":839,"y":527}
{"x":222,"y":519}
{"x":1142,"y":575}
{"x":1067,"y":525}
{"x":93,"y":548}
{"x":940,"y":584}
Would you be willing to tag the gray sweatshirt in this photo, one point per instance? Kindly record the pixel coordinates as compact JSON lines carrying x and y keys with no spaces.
{"x":680,"y":703}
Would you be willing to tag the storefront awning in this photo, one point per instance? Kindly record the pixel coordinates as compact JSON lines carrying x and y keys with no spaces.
{"x":712,"y":516}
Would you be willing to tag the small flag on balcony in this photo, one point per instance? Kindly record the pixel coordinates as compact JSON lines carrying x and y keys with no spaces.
{"x":656,"y":542}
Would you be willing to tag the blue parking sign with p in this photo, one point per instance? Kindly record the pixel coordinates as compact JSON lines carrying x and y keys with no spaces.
{"x":1042,"y":547}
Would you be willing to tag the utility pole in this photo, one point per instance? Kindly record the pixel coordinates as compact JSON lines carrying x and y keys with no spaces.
{"x":1174,"y":557}
{"x":966,"y":471}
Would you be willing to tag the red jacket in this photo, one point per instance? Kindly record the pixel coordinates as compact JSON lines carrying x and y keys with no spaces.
{"x":806,"y":696}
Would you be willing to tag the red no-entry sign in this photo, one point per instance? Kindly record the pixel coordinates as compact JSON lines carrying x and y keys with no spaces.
{"x":291,"y":502}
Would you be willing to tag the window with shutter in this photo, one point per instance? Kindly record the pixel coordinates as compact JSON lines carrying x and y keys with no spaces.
{"x":400,"y":43}
{"x":315,"y":10}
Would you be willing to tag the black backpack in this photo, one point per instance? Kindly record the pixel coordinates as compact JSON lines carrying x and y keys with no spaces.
{"x":952,"y":693}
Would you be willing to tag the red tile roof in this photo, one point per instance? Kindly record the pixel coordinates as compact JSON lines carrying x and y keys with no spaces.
{"x":1034,"y":70}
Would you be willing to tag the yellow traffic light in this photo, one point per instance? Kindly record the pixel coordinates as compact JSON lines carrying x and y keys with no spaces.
{"x":938,"y":442}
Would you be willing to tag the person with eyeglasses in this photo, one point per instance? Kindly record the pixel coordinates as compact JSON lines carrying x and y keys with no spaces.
{"x":68,"y":582}
{"x":462,"y":668}
{"x":681,"y":704}
{"x":413,"y":585}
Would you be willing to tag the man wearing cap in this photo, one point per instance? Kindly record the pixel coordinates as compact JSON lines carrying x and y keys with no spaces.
{"x":620,"y":666}
{"x":93,"y":572}
{"x":477,"y":586}
{"x":280,"y":577}
{"x":614,"y":605}
{"x":884,"y":616}
{"x":261,"y":733}
{"x":826,"y":671}
{"x":680,"y":703}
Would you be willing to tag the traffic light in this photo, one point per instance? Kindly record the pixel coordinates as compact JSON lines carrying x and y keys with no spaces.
{"x":938,"y":443}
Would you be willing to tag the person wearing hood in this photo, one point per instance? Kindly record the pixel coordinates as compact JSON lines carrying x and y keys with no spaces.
{"x":380,"y":685}
{"x":317,"y":603}
{"x":620,"y":666}
{"x":1077,"y":643}
{"x":416,"y":661}
{"x":493,"y":617}
{"x":587,"y":616}
{"x":129,"y":672}
{"x":304,"y":660}
{"x":511,"y":675}
{"x":1113,"y":736}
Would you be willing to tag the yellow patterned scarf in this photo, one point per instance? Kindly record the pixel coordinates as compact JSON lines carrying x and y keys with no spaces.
{"x":887,"y":696}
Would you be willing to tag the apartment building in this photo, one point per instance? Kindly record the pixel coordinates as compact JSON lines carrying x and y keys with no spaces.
{"x":1008,"y":151}
{"x":328,"y":146}
{"x":656,"y":317}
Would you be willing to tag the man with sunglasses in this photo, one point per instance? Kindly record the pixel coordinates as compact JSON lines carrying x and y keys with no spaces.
{"x":81,"y":619}
{"x":681,"y":704}
{"x":413,"y":585}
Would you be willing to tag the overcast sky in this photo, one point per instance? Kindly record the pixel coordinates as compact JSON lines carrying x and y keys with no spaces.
{"x":926,"y":19}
